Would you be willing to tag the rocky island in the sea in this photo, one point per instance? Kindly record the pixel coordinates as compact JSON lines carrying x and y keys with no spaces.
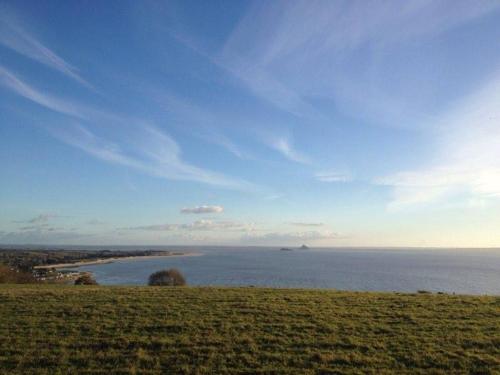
{"x":303,"y":247}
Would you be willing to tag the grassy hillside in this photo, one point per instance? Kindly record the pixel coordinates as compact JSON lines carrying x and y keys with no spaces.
{"x":67,"y":329}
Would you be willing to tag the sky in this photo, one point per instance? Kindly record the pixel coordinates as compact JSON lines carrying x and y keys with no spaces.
{"x":274,"y":123}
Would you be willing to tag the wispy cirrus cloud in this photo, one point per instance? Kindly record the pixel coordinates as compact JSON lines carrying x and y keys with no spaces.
{"x":13,"y":36}
{"x":205,"y":209}
{"x":287,"y":51}
{"x":286,"y":148}
{"x":148,"y":150}
{"x":467,"y":158}
{"x":18,"y":86}
{"x":71,"y":108}
{"x":220,"y":139}
{"x":203,"y":123}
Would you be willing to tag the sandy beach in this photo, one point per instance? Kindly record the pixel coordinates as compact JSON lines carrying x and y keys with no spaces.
{"x":111,"y":260}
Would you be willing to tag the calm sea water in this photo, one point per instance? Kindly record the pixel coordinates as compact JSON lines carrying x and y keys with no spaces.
{"x":474,"y":271}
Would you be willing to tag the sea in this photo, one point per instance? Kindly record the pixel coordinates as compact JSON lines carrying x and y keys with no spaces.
{"x":460,"y":271}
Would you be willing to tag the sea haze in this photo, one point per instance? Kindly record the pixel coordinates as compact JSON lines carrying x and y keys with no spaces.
{"x":465,"y":271}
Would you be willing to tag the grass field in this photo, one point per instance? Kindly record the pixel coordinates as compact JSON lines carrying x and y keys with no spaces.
{"x":118,"y":330}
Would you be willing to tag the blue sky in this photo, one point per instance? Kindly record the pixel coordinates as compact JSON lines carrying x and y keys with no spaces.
{"x":331,"y":123}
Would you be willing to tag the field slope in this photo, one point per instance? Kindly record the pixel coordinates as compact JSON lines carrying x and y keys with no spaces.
{"x":66,"y":329}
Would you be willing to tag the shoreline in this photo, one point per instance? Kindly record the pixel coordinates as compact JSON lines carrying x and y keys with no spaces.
{"x":111,"y":260}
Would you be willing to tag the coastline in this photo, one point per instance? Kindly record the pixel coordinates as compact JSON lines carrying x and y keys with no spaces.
{"x":111,"y":260}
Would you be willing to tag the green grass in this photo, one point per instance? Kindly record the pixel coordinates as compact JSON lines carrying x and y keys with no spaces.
{"x":118,"y":330}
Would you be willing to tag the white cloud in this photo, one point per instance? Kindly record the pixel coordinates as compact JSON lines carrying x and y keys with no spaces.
{"x":204,"y":121}
{"x":284,"y":146}
{"x":40,"y":230}
{"x":62,"y":106}
{"x":155,"y":227}
{"x":302,"y":224}
{"x":148,"y":150}
{"x":11,"y":81}
{"x":49,"y":235}
{"x":42,"y":218}
{"x":273,"y":197}
{"x":199,"y":225}
{"x":223,"y":141}
{"x":202,"y":210}
{"x":19,"y":40}
{"x":467,"y":160}
{"x":265,"y":86}
{"x":95,"y":222}
{"x":287,"y":51}
{"x":209,"y":225}
{"x":333,"y":177}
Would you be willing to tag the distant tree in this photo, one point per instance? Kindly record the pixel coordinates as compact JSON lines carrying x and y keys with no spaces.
{"x":85,"y":279}
{"x":171,"y":277}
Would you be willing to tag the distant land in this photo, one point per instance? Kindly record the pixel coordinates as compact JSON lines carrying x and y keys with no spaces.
{"x":44,"y":265}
